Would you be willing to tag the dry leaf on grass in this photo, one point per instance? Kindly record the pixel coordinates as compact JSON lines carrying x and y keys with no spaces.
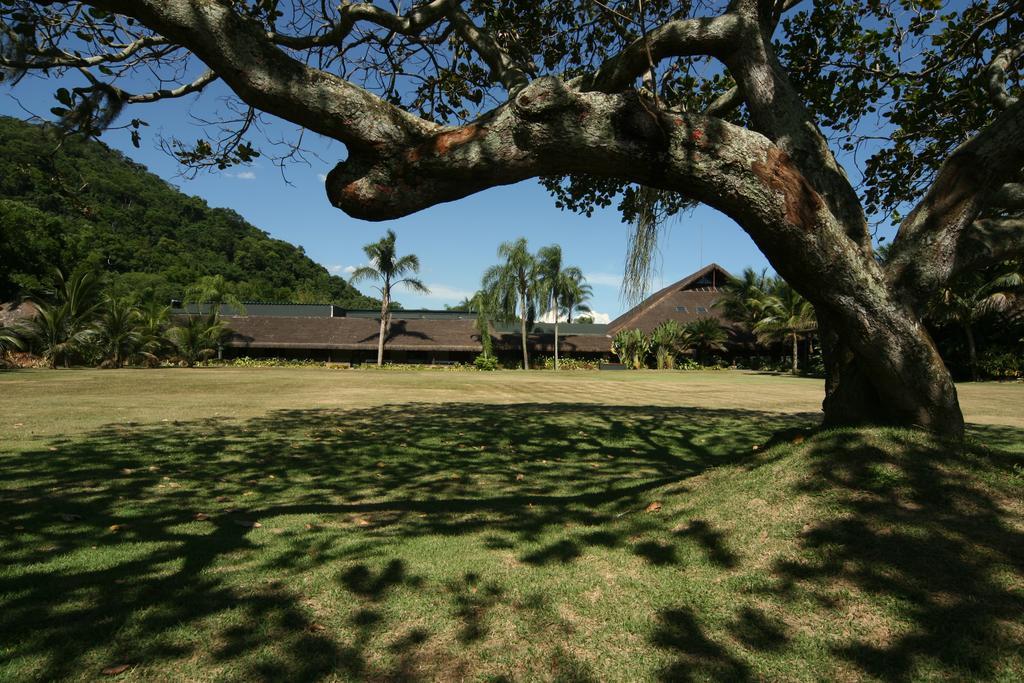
{"x":201,"y":517}
{"x":247,"y":523}
{"x":115,"y":670}
{"x":519,"y":477}
{"x":114,"y":528}
{"x":653,"y":507}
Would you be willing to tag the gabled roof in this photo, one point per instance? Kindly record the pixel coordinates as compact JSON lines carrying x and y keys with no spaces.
{"x":629,"y":318}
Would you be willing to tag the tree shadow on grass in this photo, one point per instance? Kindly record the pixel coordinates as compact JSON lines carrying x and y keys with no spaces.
{"x":152,"y":545}
{"x":924,"y":534}
{"x":140,"y":545}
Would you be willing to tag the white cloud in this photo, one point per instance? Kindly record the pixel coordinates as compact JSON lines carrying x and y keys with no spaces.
{"x":242,"y":175}
{"x":604,"y":279}
{"x":599,"y":318}
{"x":322,"y":177}
{"x":348,"y":270}
{"x":335,"y":269}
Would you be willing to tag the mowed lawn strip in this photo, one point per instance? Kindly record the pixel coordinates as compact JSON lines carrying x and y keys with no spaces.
{"x":295,"y":524}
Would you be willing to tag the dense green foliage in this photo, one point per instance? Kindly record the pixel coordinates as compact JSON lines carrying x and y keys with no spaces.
{"x":63,"y":205}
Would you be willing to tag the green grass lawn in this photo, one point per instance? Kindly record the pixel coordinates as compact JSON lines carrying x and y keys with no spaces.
{"x":299,"y":524}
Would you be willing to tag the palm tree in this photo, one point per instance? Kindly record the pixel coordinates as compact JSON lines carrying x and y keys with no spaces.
{"x":81,"y":294}
{"x":785,"y":314}
{"x":743,"y":297}
{"x":388,"y":268}
{"x":563,"y":288}
{"x":976,"y":297}
{"x":62,"y":322}
{"x":153,"y":323}
{"x":118,"y":331}
{"x":705,"y":335}
{"x":56,"y":333}
{"x":215,"y":291}
{"x":512,"y":286}
{"x":482,"y":304}
{"x":668,"y":339}
{"x":198,"y":337}
{"x":577,"y":293}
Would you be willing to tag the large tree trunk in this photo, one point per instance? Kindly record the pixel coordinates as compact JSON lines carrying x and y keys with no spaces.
{"x":901,"y":380}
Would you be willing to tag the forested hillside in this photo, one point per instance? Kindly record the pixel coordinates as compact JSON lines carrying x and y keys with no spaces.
{"x":80,"y":202}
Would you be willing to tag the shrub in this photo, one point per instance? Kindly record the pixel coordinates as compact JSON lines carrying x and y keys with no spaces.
{"x":548,"y":363}
{"x":1006,"y":365}
{"x":485,"y":362}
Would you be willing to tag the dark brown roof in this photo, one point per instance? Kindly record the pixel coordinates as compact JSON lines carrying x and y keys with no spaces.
{"x":351,"y":334}
{"x":545,"y":343}
{"x":685,"y":301}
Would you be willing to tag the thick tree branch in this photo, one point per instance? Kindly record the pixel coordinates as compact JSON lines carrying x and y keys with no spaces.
{"x":989,"y":242}
{"x":778,"y":111}
{"x":995,"y":75}
{"x":726,"y":102}
{"x":926,"y":246}
{"x":1009,"y":196}
{"x":714,"y":36}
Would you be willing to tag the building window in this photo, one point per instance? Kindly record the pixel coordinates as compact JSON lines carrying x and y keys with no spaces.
{"x":681,"y":309}
{"x":701,"y":309}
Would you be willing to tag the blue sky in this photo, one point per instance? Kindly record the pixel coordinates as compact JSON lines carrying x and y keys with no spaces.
{"x":455,"y":242}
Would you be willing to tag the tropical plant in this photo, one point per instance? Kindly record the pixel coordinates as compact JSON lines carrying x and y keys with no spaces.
{"x":11,"y":339}
{"x":485,"y":362}
{"x":81,"y":293}
{"x":391,"y":271}
{"x":213,"y":291}
{"x":197,"y":337}
{"x":153,"y":323}
{"x":632,"y":348}
{"x":668,"y":340}
{"x":975,"y":297}
{"x":61,"y":326}
{"x":705,"y":335}
{"x":785,"y":314}
{"x":482,"y":304}
{"x":118,"y":331}
{"x":513,"y":287}
{"x":55,"y":334}
{"x":562,"y":288}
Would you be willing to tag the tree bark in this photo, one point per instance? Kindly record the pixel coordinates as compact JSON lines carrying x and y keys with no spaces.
{"x":900,"y":383}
